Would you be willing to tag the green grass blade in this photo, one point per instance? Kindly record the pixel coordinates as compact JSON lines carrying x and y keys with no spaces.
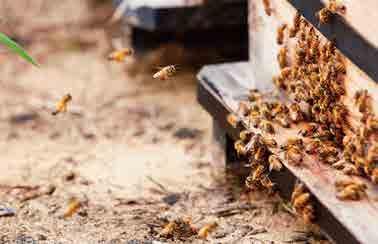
{"x":16,"y":48}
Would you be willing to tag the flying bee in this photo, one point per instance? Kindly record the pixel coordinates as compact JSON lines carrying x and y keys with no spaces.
{"x":270,"y":142}
{"x":296,"y":24}
{"x":267,"y":127}
{"x":267,"y":8}
{"x":275,"y":163}
{"x":308,"y":129}
{"x":120,"y":55}
{"x":324,"y":16}
{"x":233,"y":120}
{"x":282,"y":57}
{"x":281,"y":34}
{"x":165,"y":73}
{"x":61,"y":106}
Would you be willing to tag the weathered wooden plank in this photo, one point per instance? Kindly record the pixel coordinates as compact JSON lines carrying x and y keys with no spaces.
{"x":345,"y":222}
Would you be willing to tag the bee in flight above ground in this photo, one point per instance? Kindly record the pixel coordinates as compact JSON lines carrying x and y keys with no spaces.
{"x":120,"y":55}
{"x":61,"y":106}
{"x":165,"y":73}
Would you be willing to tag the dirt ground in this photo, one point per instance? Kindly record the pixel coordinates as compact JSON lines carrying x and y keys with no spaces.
{"x":132,"y":153}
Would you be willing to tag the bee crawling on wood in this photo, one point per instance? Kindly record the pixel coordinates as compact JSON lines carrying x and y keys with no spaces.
{"x":324,"y":16}
{"x":205,"y":230}
{"x":350,"y":190}
{"x":275,"y":163}
{"x":120,"y":55}
{"x":282,"y":57}
{"x":165,"y":72}
{"x":362,"y":100}
{"x":281,"y":34}
{"x":267,"y":127}
{"x":61,"y":106}
{"x":294,"y":155}
{"x":302,"y":204}
{"x":295,"y":113}
{"x":296,"y":24}
{"x":308,"y":129}
{"x":267,"y":7}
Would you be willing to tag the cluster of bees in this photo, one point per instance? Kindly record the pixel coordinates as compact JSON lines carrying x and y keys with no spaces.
{"x":183,"y":229}
{"x":119,"y":56}
{"x":350,"y":189}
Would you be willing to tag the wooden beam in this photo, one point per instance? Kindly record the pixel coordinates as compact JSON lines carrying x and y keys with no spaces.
{"x":220,"y":90}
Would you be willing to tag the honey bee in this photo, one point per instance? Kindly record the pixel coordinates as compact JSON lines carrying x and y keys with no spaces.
{"x":72,"y":208}
{"x":372,"y":154}
{"x":244,"y":108}
{"x":254,"y":122}
{"x":350,"y":190}
{"x":267,"y":183}
{"x":336,"y":6}
{"x":324,"y":16}
{"x":308,"y":129}
{"x":246,"y":135}
{"x":301,"y":200}
{"x":283,"y":120}
{"x":260,"y":153}
{"x":270,"y":142}
{"x":313,"y":146}
{"x":168,"y":229}
{"x":296,"y":24}
{"x":295,"y":113}
{"x":282,"y":57}
{"x":294,"y":156}
{"x":240,"y":148}
{"x":254,"y":95}
{"x":233,"y":120}
{"x":372,"y":123}
{"x":165,"y":73}
{"x":120,"y":55}
{"x":308,"y":213}
{"x":61,"y":106}
{"x":374,"y":176}
{"x":267,"y":8}
{"x":205,"y":230}
{"x":350,"y":169}
{"x":275,"y":163}
{"x":362,"y":100}
{"x":258,"y":172}
{"x":281,"y":34}
{"x":267,"y":127}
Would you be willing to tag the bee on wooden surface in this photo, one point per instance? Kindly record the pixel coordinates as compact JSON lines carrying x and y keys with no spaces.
{"x":258,"y":172}
{"x":350,"y":169}
{"x":206,"y":230}
{"x":324,"y":16}
{"x":372,"y":123}
{"x":296,"y":24}
{"x":336,"y":6}
{"x":275,"y":163}
{"x":72,"y":208}
{"x":374,"y":176}
{"x":254,"y":122}
{"x":362,"y":100}
{"x":254,"y":95}
{"x":61,"y":106}
{"x":308,"y":213}
{"x":270,"y":142}
{"x":279,"y":109}
{"x":372,"y":154}
{"x":254,"y":143}
{"x":168,"y":229}
{"x":282,"y":57}
{"x":294,"y":155}
{"x":165,"y":73}
{"x":267,"y":8}
{"x":283,"y":120}
{"x":267,"y":127}
{"x":233,"y":120}
{"x":279,"y":82}
{"x":295,"y":113}
{"x":350,"y":190}
{"x":308,"y":129}
{"x":313,"y":146}
{"x":120,"y":55}
{"x":281,"y":34}
{"x":293,"y":142}
{"x":301,"y":200}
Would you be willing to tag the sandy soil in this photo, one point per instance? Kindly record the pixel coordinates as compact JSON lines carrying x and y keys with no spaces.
{"x":135,"y":153}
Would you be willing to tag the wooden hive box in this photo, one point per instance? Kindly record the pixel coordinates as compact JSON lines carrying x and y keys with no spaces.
{"x":192,"y":23}
{"x":222,"y":87}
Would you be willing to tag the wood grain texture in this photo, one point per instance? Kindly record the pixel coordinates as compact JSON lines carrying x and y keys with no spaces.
{"x":344,"y":221}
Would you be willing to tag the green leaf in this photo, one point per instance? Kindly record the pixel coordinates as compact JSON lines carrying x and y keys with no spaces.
{"x":16,"y":48}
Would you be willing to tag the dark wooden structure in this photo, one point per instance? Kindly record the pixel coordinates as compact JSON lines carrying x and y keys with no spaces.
{"x":191,"y":23}
{"x":222,"y":87}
